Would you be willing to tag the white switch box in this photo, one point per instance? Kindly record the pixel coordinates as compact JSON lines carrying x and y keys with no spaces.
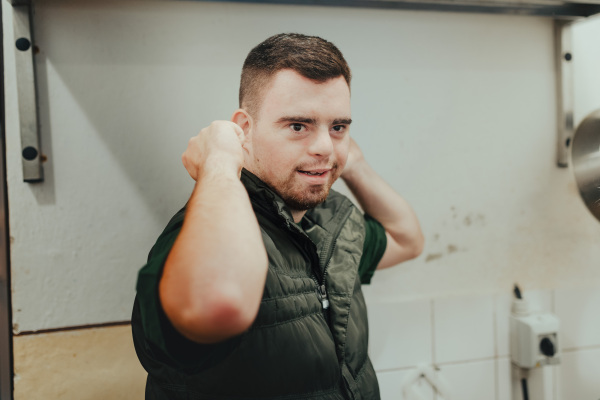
{"x":534,"y":339}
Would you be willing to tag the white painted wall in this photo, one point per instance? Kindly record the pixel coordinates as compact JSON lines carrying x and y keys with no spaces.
{"x":586,"y":62}
{"x":456,"y":111}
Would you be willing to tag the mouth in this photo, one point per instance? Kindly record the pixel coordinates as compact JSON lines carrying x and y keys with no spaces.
{"x":314,"y":172}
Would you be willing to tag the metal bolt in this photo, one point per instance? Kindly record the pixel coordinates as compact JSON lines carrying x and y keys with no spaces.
{"x":23,"y":44}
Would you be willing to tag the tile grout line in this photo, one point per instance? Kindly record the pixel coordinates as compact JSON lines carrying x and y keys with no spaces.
{"x":495,"y":325}
{"x":432,"y":316}
{"x":582,"y":348}
{"x":444,"y":364}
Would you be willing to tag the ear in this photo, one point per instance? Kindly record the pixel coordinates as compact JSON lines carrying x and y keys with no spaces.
{"x":244,"y":121}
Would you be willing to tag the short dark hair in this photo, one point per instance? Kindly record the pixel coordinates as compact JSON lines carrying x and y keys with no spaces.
{"x":310,"y":56}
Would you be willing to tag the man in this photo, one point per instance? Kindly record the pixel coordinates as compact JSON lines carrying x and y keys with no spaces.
{"x":253,"y":289}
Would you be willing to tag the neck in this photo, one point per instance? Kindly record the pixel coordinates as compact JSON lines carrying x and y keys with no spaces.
{"x":297,"y":215}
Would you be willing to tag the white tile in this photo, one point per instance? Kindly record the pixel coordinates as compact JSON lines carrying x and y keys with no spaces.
{"x":577,"y":375}
{"x":469,"y":381}
{"x":502,"y":304}
{"x":391,"y":384}
{"x":577,"y":310}
{"x":463,"y":329}
{"x":503,"y":379}
{"x":538,"y":300}
{"x":400,"y":334}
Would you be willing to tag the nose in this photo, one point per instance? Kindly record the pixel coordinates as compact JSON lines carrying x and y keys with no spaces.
{"x":321,"y":144}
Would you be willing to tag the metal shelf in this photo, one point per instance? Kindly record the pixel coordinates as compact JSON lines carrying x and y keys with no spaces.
{"x":547,"y":8}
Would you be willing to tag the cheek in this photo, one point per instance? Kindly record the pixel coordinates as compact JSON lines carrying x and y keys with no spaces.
{"x":276,"y":153}
{"x":279,"y":164}
{"x":259,"y":153}
{"x":342,"y":153}
{"x":265,"y":157}
{"x":269,"y":159}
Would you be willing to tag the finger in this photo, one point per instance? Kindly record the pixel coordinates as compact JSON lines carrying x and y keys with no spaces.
{"x":238,"y":130}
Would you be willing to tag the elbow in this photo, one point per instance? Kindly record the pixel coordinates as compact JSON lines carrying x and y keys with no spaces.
{"x":418,"y":245}
{"x":216,"y":316}
{"x":413,"y":247}
{"x":232,"y":314}
{"x":220,"y":321}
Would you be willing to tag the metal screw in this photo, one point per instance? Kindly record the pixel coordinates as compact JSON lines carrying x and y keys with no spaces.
{"x":23,"y":44}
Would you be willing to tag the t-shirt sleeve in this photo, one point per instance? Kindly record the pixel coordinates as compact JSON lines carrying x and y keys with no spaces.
{"x":168,"y":345}
{"x":373,"y":249}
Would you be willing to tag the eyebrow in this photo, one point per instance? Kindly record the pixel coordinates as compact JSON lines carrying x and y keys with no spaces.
{"x":312,"y":121}
{"x":303,"y":120}
{"x":343,"y":121}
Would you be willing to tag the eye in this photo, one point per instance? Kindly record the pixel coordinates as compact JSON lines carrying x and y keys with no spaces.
{"x":339,"y":128}
{"x":296,"y":127}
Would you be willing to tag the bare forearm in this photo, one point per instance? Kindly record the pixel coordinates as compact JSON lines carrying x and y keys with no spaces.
{"x":214,"y":276}
{"x":383,"y":203}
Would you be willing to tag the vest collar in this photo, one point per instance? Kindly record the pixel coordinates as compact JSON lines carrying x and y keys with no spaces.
{"x":261,"y":195}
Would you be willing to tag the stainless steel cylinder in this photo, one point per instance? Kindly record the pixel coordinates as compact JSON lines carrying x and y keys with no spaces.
{"x":585,"y":156}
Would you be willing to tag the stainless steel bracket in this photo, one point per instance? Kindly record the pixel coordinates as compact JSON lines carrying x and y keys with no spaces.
{"x":31,"y":155}
{"x":564,"y":84}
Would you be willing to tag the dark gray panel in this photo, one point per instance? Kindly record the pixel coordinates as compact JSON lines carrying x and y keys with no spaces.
{"x":556,"y":9}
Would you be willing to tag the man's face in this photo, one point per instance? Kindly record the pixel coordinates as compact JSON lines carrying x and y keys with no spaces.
{"x":299,"y":140}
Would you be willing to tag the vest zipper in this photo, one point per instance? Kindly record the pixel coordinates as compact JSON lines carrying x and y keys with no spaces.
{"x":323,"y":297}
{"x":321,"y":287}
{"x":326,"y":256}
{"x":321,"y":290}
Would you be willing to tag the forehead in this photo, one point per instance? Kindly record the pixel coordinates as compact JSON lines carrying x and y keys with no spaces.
{"x":289,"y":93}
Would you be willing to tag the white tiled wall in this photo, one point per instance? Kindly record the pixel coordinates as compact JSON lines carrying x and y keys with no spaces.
{"x":465,"y":340}
{"x":406,"y":341}
{"x":576,"y":310}
{"x":577,"y":376}
{"x":391,"y":384}
{"x":469,"y":380}
{"x":464,"y":329}
{"x":503,"y":379}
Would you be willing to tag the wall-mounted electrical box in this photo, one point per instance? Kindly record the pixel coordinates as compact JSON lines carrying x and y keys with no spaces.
{"x":534,"y":337}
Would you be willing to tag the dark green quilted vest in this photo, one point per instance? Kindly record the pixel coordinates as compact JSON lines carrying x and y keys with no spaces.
{"x":309,"y":340}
